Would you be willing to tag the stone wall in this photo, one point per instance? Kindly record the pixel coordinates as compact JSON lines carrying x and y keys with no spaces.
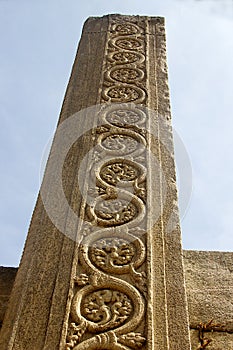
{"x":7,"y":277}
{"x":209,"y":285}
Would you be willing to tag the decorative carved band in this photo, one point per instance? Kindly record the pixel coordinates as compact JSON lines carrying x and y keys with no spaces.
{"x":108,"y":307}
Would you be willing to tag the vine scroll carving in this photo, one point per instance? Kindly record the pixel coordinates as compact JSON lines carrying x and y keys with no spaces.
{"x":108,"y":307}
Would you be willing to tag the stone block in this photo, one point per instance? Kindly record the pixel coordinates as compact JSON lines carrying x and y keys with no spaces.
{"x":7,"y":277}
{"x":218,"y":340}
{"x":209,"y":285}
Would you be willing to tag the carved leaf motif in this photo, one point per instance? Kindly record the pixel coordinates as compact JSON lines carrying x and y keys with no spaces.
{"x":123,"y":143}
{"x":86,"y":229}
{"x":82,"y":279}
{"x":126,"y":28}
{"x":125,"y":74}
{"x":123,"y":93}
{"x":141,"y":191}
{"x":110,"y":252}
{"x":125,"y":57}
{"x":138,"y":231}
{"x":75,"y":334}
{"x":139,"y":279}
{"x":94,"y":192}
{"x":113,"y":173}
{"x":97,"y":156}
{"x":124,"y":117}
{"x":107,"y":307}
{"x":128,"y":43}
{"x":115,"y":211}
{"x":134,"y":340}
{"x":101,"y":129}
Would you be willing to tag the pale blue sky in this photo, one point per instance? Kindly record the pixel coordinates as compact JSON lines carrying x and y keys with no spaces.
{"x":38,"y":45}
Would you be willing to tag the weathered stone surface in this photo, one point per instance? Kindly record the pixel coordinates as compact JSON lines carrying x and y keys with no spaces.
{"x":7,"y":277}
{"x":218,"y":340}
{"x":209,"y":282}
{"x":37,"y":308}
{"x":102,"y":266}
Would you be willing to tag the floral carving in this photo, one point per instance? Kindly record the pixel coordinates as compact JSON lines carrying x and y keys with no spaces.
{"x":125,"y":117}
{"x":115,"y":211}
{"x":141,"y":191}
{"x":82,"y":280}
{"x":125,"y":75}
{"x":128,"y":43}
{"x":126,"y":28}
{"x":124,"y":93}
{"x":110,"y":252}
{"x":94,"y":192}
{"x":75,"y":334}
{"x":118,"y":171}
{"x":106,"y":306}
{"x":126,"y":144}
{"x":134,"y":340}
{"x":124,"y":57}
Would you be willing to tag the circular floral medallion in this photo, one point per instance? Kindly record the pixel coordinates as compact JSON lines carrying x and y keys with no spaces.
{"x":126,"y":29}
{"x":110,"y":253}
{"x":125,"y":94}
{"x":129,"y":43}
{"x":107,"y":308}
{"x":120,"y":142}
{"x":123,"y":57}
{"x":113,"y":212}
{"x":125,"y":117}
{"x":125,"y":75}
{"x":118,"y":172}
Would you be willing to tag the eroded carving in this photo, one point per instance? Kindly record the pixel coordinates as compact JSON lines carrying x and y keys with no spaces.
{"x":125,"y":117}
{"x":133,"y":340}
{"x":125,"y":57}
{"x":114,"y":212}
{"x":126,"y":144}
{"x":75,"y":334}
{"x":125,"y":93}
{"x":128,"y":43}
{"x":118,"y":172}
{"x":109,"y":253}
{"x":106,"y":307}
{"x":126,"y":74}
{"x":125,"y":28}
{"x":82,"y":280}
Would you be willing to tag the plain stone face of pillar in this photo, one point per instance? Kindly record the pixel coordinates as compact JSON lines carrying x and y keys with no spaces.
{"x":102,"y":265}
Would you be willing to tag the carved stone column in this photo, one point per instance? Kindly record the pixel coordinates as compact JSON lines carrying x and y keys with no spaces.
{"x":102,"y":266}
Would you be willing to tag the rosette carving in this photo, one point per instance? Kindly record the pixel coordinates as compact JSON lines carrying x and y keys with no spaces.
{"x":124,"y":93}
{"x":126,"y":57}
{"x":128,"y":43}
{"x":106,"y":307}
{"x":125,"y":28}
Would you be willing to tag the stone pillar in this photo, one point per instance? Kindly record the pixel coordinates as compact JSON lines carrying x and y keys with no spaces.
{"x":102,"y":265}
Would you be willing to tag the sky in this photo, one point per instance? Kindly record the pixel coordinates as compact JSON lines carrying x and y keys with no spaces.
{"x":38,"y":46}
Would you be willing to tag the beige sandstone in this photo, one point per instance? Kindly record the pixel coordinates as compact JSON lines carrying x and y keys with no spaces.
{"x":209,"y":282}
{"x":209,"y":285}
{"x":102,"y":266}
{"x":7,"y":277}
